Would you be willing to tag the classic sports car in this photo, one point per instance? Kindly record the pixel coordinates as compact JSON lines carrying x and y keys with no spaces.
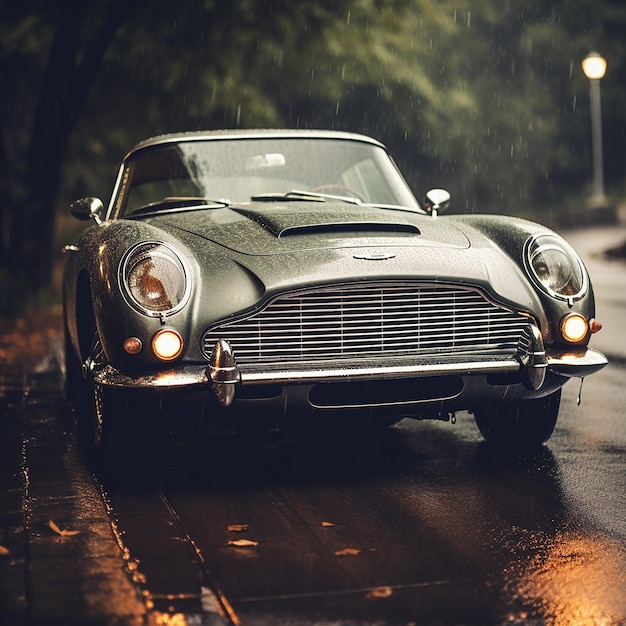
{"x":291,"y":277}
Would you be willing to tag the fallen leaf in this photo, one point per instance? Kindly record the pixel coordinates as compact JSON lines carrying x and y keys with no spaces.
{"x":347,"y":552}
{"x":328,"y":524}
{"x":64,"y":532}
{"x":4,"y":550}
{"x":379,"y":592}
{"x":243,"y":543}
{"x":237,"y":528}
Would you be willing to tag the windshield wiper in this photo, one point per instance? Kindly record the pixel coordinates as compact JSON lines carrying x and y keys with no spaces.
{"x":296,"y":194}
{"x":186,"y":203}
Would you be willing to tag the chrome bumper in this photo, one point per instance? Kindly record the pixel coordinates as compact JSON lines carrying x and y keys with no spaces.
{"x":576,"y":364}
{"x":223,"y":374}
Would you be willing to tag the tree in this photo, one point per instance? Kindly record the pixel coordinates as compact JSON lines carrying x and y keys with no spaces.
{"x":56,"y":57}
{"x":483,"y":97}
{"x":30,"y":171}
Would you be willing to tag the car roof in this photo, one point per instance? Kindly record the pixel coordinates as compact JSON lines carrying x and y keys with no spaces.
{"x":211,"y":135}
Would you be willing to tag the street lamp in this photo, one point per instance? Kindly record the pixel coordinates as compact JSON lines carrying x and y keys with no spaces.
{"x":594,"y":67}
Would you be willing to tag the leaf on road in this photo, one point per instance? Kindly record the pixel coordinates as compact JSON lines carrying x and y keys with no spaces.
{"x":347,"y":552}
{"x":328,"y":525}
{"x":64,"y":532}
{"x":237,"y":528}
{"x":243,"y":543}
{"x":379,"y":592}
{"x":4,"y":550}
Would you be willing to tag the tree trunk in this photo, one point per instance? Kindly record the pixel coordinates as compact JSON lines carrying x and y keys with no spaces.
{"x":68,"y":77}
{"x":33,"y":226}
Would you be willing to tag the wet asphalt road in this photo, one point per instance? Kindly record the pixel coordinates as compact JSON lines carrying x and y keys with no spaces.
{"x":427,"y":526}
{"x":420,"y":526}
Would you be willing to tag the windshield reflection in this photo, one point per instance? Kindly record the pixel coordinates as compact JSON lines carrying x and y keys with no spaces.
{"x":235,"y":170}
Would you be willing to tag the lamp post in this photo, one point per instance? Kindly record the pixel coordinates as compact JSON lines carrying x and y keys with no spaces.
{"x":594,"y":68}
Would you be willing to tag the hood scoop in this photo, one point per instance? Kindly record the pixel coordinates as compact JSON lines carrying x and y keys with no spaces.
{"x":280,"y":229}
{"x":377,"y":229}
{"x":284,"y":223}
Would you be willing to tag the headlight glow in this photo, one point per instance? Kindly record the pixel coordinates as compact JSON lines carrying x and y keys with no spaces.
{"x":155,"y":279}
{"x":574,"y":327}
{"x":167,"y":344}
{"x":556,"y":267}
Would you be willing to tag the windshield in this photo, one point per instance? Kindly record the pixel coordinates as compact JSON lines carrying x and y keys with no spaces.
{"x":238,"y":169}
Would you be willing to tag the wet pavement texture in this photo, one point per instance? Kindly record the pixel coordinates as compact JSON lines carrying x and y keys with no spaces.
{"x":48,"y":572}
{"x":420,"y":526}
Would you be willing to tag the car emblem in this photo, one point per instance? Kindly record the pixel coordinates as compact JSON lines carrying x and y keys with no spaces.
{"x":374,"y":256}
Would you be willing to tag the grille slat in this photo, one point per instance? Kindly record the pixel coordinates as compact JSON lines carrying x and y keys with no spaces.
{"x":432,"y":320}
{"x":384,"y":318}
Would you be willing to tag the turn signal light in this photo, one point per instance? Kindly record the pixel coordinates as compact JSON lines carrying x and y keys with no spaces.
{"x":167,"y":344}
{"x":574,"y":327}
{"x":595,"y":325}
{"x":133,"y":345}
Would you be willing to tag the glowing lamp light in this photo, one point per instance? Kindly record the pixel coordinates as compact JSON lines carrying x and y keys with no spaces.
{"x":594,"y":66}
{"x":574,"y":327}
{"x":167,"y":344}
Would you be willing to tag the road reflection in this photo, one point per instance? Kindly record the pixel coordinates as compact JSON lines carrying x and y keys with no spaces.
{"x":452,"y":532}
{"x":563,"y":571}
{"x":575,"y":579}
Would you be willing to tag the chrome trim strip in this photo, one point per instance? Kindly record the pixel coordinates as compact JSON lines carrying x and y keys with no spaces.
{"x":375,"y":371}
{"x":576,"y":363}
{"x":535,"y":361}
{"x":239,"y":134}
{"x":189,"y":375}
{"x":223,"y":373}
{"x":185,"y":376}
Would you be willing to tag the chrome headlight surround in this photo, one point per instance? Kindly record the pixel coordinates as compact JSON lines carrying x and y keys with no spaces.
{"x":555,"y":267}
{"x":155,"y":279}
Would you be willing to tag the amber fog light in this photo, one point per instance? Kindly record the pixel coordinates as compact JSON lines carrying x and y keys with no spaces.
{"x":133,"y":345}
{"x":167,"y":344}
{"x":574,"y":327}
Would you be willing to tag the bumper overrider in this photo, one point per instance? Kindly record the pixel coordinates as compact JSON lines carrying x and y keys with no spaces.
{"x":224,"y":376}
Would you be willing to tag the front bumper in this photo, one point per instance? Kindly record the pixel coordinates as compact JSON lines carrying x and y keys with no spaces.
{"x":223,"y":376}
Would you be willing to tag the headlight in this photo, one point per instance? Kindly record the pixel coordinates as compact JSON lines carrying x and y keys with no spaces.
{"x":555,"y":267}
{"x":155,"y":279}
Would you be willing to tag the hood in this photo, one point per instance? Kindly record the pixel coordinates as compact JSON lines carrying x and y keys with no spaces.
{"x":265,"y":229}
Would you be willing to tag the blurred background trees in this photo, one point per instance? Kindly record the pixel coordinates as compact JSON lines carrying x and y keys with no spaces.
{"x":483,"y":97}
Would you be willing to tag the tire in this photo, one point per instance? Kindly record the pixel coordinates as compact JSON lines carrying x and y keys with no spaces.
{"x":519,"y":426}
{"x":118,"y":427}
{"x":80,"y":394}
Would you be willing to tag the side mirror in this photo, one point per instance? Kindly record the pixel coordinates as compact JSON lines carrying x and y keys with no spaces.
{"x":87,"y":208}
{"x":436,"y":201}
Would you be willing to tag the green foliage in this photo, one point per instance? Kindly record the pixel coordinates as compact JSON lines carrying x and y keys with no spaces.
{"x":483,"y":97}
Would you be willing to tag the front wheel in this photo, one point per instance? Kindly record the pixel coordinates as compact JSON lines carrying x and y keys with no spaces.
{"x":521,"y":425}
{"x":119,"y":427}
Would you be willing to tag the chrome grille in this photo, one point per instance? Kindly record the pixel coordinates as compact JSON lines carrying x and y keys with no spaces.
{"x":365,"y":321}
